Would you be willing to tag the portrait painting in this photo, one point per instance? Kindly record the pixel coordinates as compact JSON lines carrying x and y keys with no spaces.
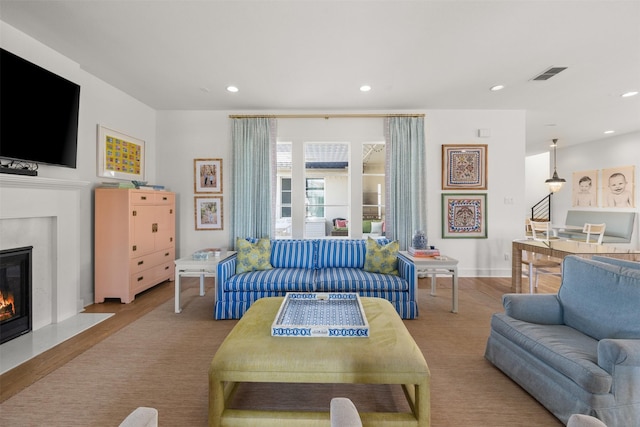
{"x":584,"y":191}
{"x":618,"y":187}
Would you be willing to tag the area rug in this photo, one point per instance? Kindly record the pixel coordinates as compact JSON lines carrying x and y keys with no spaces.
{"x":162,"y":359}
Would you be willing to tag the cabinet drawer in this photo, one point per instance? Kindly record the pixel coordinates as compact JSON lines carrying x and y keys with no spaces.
{"x":142,"y":197}
{"x":145,"y":262}
{"x":162,"y":198}
{"x":147,"y":278}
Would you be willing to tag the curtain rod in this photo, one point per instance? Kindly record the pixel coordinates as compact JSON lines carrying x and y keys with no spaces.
{"x":318,"y":116}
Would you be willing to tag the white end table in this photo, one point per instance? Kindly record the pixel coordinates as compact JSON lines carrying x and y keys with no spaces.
{"x":189,"y":267}
{"x":433,"y":266}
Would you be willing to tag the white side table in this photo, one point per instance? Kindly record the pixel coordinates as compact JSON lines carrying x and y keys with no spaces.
{"x":189,"y":267}
{"x":442,"y":265}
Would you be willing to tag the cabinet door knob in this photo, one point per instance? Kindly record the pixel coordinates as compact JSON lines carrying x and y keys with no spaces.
{"x":140,"y":278}
{"x":140,"y":262}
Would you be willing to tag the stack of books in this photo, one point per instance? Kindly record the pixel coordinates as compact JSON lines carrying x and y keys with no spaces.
{"x":124,"y":184}
{"x":431,"y":251}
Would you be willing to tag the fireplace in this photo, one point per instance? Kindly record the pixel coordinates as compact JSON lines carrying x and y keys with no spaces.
{"x":15,"y":293}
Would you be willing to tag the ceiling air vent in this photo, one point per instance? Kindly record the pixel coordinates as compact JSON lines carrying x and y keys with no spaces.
{"x":546,"y":75}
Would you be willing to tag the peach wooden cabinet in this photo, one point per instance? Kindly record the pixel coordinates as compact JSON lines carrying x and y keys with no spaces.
{"x":134,"y":241}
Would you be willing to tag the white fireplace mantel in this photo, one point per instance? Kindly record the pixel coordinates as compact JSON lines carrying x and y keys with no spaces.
{"x":56,"y":204}
{"x":23,"y":181}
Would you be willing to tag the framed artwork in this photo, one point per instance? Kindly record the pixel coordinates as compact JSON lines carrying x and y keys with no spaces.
{"x":120,"y":156}
{"x":618,"y":187}
{"x":207,"y":175}
{"x":208,"y":212}
{"x":584,"y":191}
{"x":464,"y":167}
{"x":464,"y":216}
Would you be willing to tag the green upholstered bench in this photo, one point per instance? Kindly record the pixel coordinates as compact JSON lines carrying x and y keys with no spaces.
{"x":619,"y":225}
{"x":250,"y":354}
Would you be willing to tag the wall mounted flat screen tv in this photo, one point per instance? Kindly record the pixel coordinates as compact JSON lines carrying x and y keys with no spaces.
{"x":38,"y":113}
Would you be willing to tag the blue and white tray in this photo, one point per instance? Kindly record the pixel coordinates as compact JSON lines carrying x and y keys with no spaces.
{"x":316,"y":314}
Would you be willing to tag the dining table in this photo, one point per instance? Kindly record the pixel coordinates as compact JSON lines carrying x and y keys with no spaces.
{"x":559,"y":248}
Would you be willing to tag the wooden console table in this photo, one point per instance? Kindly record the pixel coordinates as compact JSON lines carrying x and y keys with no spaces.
{"x":560,"y":249}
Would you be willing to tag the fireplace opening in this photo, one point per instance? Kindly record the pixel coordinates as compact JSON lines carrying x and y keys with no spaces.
{"x":15,"y":293}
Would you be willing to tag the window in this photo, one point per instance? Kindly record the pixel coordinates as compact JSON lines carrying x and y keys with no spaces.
{"x":285,"y":197}
{"x":317,"y":185}
{"x":314,"y":197}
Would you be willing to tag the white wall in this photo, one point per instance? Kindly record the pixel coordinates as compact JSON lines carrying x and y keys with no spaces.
{"x":610,"y":152}
{"x":100,"y":103}
{"x":185,"y":135}
{"x":505,"y":195}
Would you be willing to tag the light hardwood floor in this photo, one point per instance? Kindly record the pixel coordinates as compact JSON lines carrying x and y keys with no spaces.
{"x":19,"y":378}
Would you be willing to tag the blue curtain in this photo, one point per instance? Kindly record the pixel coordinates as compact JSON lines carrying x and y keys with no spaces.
{"x":406,"y":179}
{"x":253,"y":141}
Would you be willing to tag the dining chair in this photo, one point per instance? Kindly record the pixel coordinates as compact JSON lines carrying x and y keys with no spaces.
{"x":542,"y":230}
{"x":538,"y":264}
{"x":592,"y":231}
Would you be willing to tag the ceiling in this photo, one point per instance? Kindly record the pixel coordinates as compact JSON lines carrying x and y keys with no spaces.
{"x":313,"y":55}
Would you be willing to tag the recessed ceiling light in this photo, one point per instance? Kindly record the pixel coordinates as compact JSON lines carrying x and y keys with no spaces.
{"x":609,"y":131}
{"x":365,"y":88}
{"x":232,"y":89}
{"x":496,"y":88}
{"x":628,"y":94}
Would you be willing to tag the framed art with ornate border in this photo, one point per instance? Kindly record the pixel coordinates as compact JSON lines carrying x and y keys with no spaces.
{"x":207,"y":175}
{"x":120,"y":156}
{"x":464,"y":216}
{"x":464,"y":167}
{"x":208,"y":213}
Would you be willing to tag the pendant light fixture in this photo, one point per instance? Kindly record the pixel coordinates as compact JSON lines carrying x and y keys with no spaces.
{"x":555,"y":183}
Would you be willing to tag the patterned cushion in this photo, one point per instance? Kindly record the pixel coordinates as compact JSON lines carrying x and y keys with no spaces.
{"x":287,"y":253}
{"x":341,"y":253}
{"x":253,"y":256}
{"x":363,"y":282}
{"x":276,"y":279}
{"x":381,"y":258}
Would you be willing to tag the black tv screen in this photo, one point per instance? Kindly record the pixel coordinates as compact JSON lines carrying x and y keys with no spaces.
{"x":38,"y":113}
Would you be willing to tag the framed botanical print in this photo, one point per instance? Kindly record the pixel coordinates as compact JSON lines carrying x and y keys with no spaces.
{"x":120,"y":156}
{"x":207,"y":175}
{"x":464,"y":216}
{"x":464,"y":167}
{"x":208,"y":213}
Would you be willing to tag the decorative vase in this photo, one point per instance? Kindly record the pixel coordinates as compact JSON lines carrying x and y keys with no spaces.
{"x":419,"y":240}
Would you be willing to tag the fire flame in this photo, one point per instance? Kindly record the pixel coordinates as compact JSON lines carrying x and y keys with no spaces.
{"x":7,"y":307}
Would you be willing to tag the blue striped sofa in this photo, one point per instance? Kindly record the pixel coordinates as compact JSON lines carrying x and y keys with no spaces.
{"x":322,"y":265}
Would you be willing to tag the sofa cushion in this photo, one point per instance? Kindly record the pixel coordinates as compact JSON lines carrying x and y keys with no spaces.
{"x":600,"y":299}
{"x":341,"y":253}
{"x":356,"y":280}
{"x":276,"y":279}
{"x":292,"y":253}
{"x":253,"y":256}
{"x":381,"y":258}
{"x":565,"y":349}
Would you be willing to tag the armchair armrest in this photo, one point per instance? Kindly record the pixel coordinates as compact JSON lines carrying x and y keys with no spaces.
{"x":621,"y":358}
{"x":543,"y":309}
{"x":226,"y":269}
{"x":618,"y":352}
